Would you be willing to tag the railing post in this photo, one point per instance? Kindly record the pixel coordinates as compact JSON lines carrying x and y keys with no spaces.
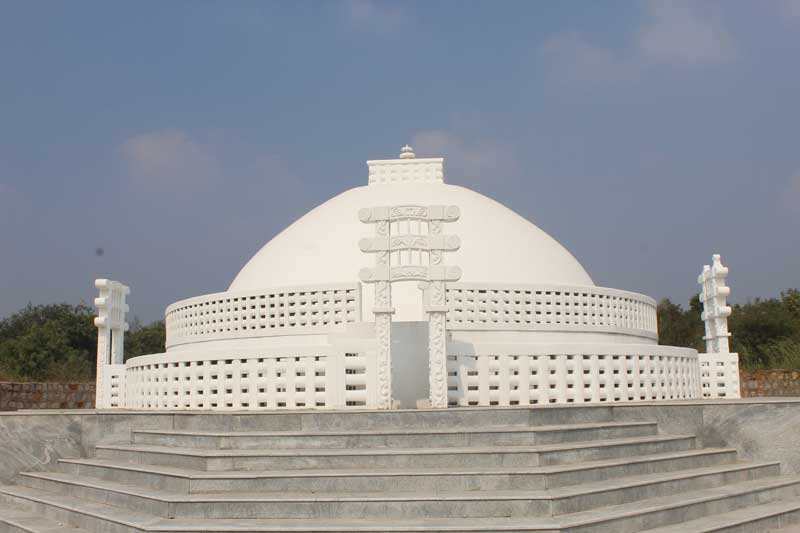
{"x":719,"y":369}
{"x":111,"y":328}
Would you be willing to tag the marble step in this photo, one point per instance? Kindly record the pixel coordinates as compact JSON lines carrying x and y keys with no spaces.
{"x":397,"y":438}
{"x":391,"y":504}
{"x":320,"y":420}
{"x":626,"y":518}
{"x":18,"y":520}
{"x":379,"y":479}
{"x":550,"y":454}
{"x":777,"y":517}
{"x":679,"y":509}
{"x":791,"y":527}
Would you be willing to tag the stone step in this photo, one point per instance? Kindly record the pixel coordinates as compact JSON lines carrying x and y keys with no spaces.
{"x":392,"y":504}
{"x":397,"y":438}
{"x":782,"y":515}
{"x":379,"y":479}
{"x":626,"y":518}
{"x":550,"y":454}
{"x":788,"y":528}
{"x":88,"y":515}
{"x":684,"y":507}
{"x":19,"y":520}
{"x":318,"y":420}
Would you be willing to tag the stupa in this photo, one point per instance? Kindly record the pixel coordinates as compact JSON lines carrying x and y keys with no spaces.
{"x":410,"y":292}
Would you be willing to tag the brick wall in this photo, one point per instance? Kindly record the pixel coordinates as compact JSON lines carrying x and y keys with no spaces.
{"x":46,"y":396}
{"x":760,"y":383}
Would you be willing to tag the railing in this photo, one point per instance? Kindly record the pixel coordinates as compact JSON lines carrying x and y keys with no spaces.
{"x":292,"y":378}
{"x":110,"y":390}
{"x":281,"y":311}
{"x":562,"y":373}
{"x":483,"y":306}
{"x":471,"y":306}
{"x":719,"y":375}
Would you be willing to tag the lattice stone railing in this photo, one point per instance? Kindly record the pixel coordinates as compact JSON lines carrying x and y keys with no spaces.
{"x":481,"y":306}
{"x":292,"y":378}
{"x":719,"y":375}
{"x":280,"y":311}
{"x":563,"y":373}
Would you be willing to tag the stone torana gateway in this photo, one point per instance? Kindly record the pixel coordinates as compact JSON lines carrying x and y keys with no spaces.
{"x":411,"y":292}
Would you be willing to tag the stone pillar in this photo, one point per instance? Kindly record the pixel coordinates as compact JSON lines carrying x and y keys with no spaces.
{"x":382,"y":308}
{"x":719,"y":368}
{"x":715,"y":309}
{"x":436,"y":296}
{"x":111,"y":328}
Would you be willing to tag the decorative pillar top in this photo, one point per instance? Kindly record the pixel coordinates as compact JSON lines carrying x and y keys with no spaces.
{"x":111,"y":305}
{"x":716,"y":311}
{"x":406,"y":169}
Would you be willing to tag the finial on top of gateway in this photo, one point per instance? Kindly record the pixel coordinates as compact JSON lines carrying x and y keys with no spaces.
{"x":406,"y":152}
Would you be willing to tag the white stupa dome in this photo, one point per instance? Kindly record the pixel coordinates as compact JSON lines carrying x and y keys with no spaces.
{"x":497,"y":245}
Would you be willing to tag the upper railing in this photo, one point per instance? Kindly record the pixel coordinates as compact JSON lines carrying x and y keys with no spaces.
{"x":484,"y":306}
{"x":263,"y":313}
{"x":471,"y":306}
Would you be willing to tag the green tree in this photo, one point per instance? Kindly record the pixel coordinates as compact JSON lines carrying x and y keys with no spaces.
{"x":48,"y":342}
{"x":677,"y":327}
{"x":755,"y":327}
{"x":142,"y":340}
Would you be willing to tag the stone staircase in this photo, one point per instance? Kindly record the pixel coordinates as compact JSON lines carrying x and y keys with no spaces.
{"x":510,"y":470}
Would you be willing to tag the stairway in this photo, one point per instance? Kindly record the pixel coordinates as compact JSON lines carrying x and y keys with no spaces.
{"x":432,"y":473}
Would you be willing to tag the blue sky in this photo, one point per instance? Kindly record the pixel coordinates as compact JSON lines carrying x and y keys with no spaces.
{"x":181,"y":136}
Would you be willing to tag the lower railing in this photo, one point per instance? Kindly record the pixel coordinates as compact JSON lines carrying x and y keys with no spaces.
{"x":561,"y":373}
{"x":290,"y":378}
{"x":478,"y":374}
{"x":719,"y":375}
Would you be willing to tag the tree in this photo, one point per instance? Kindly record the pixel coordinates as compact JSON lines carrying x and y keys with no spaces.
{"x":677,"y":327}
{"x":142,"y":340}
{"x":48,"y":342}
{"x":765,"y":333}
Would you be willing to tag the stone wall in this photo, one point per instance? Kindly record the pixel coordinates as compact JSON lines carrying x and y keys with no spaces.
{"x":761,"y":383}
{"x":46,"y":396}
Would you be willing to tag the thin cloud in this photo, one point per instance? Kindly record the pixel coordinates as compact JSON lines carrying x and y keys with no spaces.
{"x":685,"y":34}
{"x":790,"y":11}
{"x":471,"y":163}
{"x":573,"y":59}
{"x":375,"y":16}
{"x":678,"y":33}
{"x":169,"y":158}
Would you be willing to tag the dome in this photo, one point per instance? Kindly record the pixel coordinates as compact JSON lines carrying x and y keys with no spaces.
{"x":497,"y":245}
